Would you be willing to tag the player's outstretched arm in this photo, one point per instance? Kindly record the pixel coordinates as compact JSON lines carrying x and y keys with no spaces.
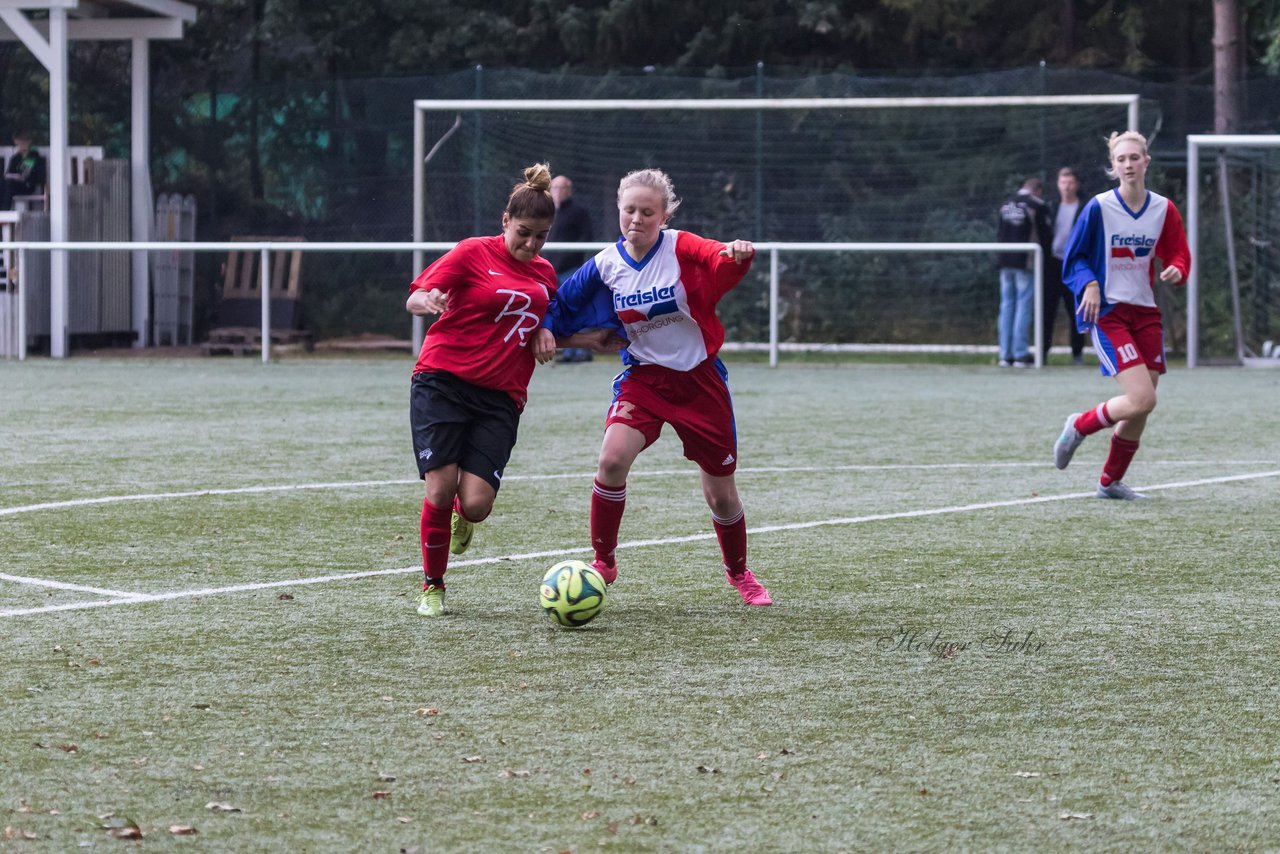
{"x":422,"y":302}
{"x":738,"y":250}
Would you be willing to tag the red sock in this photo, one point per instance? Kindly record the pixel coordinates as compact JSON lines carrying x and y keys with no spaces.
{"x":1094,"y":420}
{"x":732,"y":534}
{"x":435,"y":543}
{"x":1122,"y":451}
{"x":607,"y":504}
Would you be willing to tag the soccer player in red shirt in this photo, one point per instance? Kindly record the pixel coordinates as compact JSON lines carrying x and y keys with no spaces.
{"x":660,"y":289}
{"x":472,"y":376}
{"x":1110,"y":265}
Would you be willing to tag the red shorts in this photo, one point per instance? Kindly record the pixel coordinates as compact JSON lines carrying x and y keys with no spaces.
{"x":1129,"y":335}
{"x":696,"y":403}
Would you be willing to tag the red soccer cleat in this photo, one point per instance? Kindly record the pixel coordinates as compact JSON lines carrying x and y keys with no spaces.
{"x":753,"y":592}
{"x":607,"y":572}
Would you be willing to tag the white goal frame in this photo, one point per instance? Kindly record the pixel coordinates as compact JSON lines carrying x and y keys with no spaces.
{"x":421,"y":107}
{"x":1195,"y":142}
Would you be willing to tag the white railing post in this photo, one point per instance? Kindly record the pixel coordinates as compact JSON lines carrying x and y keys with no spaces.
{"x":1037,"y":316}
{"x":1193,"y":239}
{"x":22,"y":305}
{"x":773,"y":307}
{"x":264,"y":277}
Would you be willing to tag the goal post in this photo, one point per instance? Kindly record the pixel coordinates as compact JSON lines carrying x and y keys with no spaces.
{"x":908,"y":171}
{"x":1197,"y":146}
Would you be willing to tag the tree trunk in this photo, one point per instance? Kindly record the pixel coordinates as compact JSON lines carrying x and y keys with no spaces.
{"x":255,"y":106}
{"x":1066,"y":30}
{"x":1226,"y":66}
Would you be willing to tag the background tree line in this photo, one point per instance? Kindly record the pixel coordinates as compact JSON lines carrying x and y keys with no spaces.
{"x":291,"y":116}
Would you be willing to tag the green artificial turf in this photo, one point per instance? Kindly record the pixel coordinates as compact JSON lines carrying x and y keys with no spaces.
{"x":966,"y":651}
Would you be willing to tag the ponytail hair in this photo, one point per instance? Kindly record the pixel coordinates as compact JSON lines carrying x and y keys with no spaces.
{"x":531,"y":199}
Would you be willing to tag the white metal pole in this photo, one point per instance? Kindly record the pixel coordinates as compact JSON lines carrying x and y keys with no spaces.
{"x":773,"y":308}
{"x":1133,"y":113}
{"x":22,"y":305}
{"x":140,"y":204}
{"x":419,"y":226}
{"x":1037,"y":315}
{"x":264,"y":281}
{"x":1193,"y":239}
{"x":59,"y":301}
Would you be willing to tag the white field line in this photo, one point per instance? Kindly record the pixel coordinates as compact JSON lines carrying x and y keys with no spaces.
{"x":62,"y":585}
{"x":794,"y":526}
{"x":359,"y":484}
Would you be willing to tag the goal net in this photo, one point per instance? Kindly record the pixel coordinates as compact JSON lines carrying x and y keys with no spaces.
{"x":1233,"y":224}
{"x":791,"y":170}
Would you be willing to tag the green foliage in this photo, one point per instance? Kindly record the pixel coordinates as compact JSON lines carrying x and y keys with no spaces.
{"x":291,"y":117}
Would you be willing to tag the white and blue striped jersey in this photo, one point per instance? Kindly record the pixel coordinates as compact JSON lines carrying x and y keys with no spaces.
{"x":1116,"y":247}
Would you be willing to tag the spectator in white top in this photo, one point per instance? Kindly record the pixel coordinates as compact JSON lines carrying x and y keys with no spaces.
{"x":1063,"y":213}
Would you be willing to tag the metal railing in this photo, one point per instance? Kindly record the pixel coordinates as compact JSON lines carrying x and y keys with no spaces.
{"x":774,"y":250}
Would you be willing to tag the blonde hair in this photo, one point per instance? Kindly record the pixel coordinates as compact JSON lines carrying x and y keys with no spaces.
{"x":532,"y":198}
{"x":1115,"y":139}
{"x":654,"y":179}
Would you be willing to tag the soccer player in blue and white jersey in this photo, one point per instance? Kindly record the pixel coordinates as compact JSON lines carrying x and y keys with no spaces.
{"x":659,"y":288}
{"x":1110,"y":266}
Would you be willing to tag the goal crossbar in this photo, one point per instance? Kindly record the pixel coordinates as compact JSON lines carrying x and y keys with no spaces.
{"x":781,"y":103}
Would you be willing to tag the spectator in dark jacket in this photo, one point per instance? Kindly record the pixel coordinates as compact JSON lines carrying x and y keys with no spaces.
{"x":572,"y":225}
{"x":1024,"y":218}
{"x":24,"y":174}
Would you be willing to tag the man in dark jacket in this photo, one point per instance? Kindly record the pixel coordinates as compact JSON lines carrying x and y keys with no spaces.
{"x":1024,"y":218}
{"x":24,"y":174}
{"x":571,"y":225}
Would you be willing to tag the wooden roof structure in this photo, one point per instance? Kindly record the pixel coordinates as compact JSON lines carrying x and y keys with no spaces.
{"x":46,"y":27}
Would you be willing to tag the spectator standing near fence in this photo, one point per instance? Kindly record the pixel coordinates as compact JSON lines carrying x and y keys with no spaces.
{"x":25,"y":173}
{"x":660,"y":288}
{"x":1063,"y":214}
{"x":572,"y":225}
{"x":1110,"y":267}
{"x":1024,"y":218}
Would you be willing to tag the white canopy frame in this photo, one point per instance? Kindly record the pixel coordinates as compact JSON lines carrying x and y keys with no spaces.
{"x":136,"y":21}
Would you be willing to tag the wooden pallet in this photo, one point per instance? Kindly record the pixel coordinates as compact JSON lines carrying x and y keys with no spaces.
{"x":247,"y":341}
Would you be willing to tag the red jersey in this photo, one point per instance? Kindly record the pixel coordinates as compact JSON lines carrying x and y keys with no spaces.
{"x":496,"y":306}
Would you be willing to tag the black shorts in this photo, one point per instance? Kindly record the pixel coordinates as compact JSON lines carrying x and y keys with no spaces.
{"x":457,"y":423}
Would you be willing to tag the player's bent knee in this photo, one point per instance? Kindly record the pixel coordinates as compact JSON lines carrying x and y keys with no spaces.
{"x":1144,"y":402}
{"x":476,"y":511}
{"x":724,"y":507}
{"x":613,"y":468}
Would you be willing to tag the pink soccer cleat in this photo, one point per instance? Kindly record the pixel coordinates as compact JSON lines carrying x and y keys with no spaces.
{"x":753,"y":592}
{"x":607,"y":572}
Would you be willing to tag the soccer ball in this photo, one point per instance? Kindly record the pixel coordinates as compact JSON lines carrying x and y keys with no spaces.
{"x":572,"y":593}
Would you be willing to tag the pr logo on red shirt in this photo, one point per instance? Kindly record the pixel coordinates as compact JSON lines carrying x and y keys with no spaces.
{"x":526,"y":321}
